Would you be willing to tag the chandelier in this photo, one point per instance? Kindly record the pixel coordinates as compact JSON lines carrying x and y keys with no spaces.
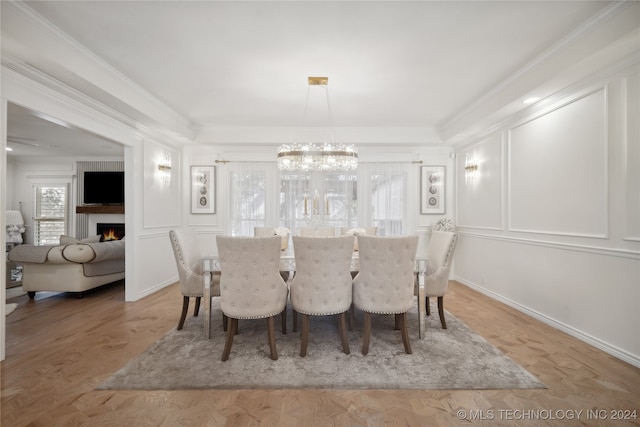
{"x":327,"y":156}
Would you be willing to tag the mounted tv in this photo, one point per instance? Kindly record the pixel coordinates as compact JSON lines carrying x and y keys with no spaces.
{"x":104,"y":188}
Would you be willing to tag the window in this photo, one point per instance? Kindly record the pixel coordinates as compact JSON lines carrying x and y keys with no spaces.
{"x":50,"y":213}
{"x":247,"y":189}
{"x":388,"y":202}
{"x":377,"y":195}
{"x":341,"y":199}
{"x":385,"y":202}
{"x":309,"y":197}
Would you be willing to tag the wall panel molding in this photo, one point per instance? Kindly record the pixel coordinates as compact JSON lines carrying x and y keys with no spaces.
{"x":481,"y":203}
{"x":599,"y":250}
{"x":631,"y":151}
{"x":557,"y":170}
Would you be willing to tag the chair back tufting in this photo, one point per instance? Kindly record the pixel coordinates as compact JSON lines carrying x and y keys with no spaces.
{"x":385,"y":283}
{"x":250,"y":283}
{"x":322,"y":284}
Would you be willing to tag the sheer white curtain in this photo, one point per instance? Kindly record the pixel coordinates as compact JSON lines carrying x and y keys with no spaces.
{"x":249,"y":198}
{"x":385,"y":197}
{"x":376,"y":195}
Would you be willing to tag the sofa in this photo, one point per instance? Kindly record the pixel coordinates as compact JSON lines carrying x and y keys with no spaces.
{"x":72,"y":266}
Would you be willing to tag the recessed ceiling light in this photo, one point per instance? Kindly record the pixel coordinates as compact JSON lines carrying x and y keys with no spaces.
{"x":8,"y":148}
{"x":531,"y":100}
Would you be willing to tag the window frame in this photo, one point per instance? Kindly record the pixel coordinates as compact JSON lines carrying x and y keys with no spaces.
{"x":65,"y":181}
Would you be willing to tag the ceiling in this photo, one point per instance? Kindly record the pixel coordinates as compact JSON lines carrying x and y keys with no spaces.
{"x":244,"y":65}
{"x":30,"y":133}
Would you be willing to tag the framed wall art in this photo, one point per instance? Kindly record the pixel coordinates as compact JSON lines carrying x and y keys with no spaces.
{"x":203,"y":189}
{"x":432,"y":190}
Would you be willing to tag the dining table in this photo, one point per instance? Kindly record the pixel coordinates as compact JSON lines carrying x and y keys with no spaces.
{"x":211,"y":266}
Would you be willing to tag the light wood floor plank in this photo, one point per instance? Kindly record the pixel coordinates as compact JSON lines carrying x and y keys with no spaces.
{"x":59,"y":348}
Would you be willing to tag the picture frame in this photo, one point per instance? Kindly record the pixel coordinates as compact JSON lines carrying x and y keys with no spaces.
{"x":432,"y":190}
{"x":203,"y":189}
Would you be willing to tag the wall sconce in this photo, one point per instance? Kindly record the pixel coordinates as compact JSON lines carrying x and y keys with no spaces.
{"x":164,"y":167}
{"x":470,"y":169}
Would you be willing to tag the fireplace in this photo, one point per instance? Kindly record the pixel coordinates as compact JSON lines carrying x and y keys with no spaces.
{"x":110,"y":231}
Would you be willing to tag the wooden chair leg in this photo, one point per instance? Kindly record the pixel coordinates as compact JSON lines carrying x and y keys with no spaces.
{"x":352,"y":316}
{"x":397,"y":323}
{"x":366,"y":335}
{"x":271,"y":332}
{"x":183,"y":316}
{"x":231,"y":327}
{"x":295,"y":320}
{"x":405,"y":332}
{"x":428,"y":308}
{"x":225,"y":319}
{"x":343,"y":333}
{"x":441,"y":312}
{"x":196,"y":310}
{"x":304,"y":335}
{"x":283,"y":315}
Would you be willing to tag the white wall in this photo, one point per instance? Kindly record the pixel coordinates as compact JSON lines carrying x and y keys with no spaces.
{"x":551,"y":225}
{"x":160,"y":211}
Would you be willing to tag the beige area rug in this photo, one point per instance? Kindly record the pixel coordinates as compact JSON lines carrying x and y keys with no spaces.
{"x":10,"y":308}
{"x":455,"y":358}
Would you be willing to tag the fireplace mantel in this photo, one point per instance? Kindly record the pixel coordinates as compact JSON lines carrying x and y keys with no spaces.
{"x":100,"y":209}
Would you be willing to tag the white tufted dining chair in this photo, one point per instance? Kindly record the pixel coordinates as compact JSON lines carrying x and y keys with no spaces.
{"x":440,"y":253}
{"x":250,"y":285}
{"x":322,"y":285}
{"x":385,"y":283}
{"x":317,"y":232}
{"x":189,"y":263}
{"x":356,"y":231}
{"x":274,"y":231}
{"x":271,"y":231}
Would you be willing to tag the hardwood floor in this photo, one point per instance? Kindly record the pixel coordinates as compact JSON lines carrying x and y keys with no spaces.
{"x":60,"y":348}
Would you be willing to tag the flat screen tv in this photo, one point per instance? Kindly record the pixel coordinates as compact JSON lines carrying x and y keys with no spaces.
{"x":104,"y":188}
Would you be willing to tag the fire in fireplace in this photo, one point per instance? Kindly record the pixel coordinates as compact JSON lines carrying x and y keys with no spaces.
{"x":110,"y":231}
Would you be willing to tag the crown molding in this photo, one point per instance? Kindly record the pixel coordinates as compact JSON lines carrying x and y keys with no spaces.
{"x":594,"y":36}
{"x":31,"y":39}
{"x":41,"y":86}
{"x":63,"y":90}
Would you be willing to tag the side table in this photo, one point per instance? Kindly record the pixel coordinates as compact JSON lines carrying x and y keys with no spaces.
{"x":14,"y":269}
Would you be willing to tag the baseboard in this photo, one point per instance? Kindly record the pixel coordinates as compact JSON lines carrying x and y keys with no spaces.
{"x":596,"y":342}
{"x":156,"y":288}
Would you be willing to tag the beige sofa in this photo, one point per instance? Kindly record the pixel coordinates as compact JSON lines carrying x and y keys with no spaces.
{"x":74,"y":267}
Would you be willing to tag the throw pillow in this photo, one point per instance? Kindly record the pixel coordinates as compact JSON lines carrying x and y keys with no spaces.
{"x":69,"y":240}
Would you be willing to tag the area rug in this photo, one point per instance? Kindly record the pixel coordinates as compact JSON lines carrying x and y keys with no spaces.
{"x":453,"y":358}
{"x":10,"y":308}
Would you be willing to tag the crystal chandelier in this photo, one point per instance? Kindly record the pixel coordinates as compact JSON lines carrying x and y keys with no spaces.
{"x":320,"y":157}
{"x":325,"y":157}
